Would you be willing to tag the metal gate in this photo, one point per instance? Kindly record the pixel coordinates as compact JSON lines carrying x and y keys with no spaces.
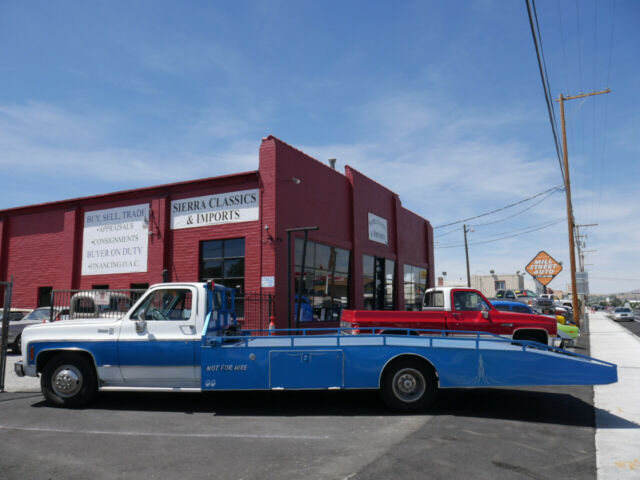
{"x":76,"y":304}
{"x":7,"y":287}
{"x":254,"y":310}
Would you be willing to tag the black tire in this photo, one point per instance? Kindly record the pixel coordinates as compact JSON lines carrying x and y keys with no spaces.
{"x":533,"y":337}
{"x":15,"y":346}
{"x":69,"y":380}
{"x":408,"y":385}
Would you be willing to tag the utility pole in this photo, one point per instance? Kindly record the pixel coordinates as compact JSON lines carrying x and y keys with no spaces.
{"x":466,"y":251}
{"x":567,"y":188}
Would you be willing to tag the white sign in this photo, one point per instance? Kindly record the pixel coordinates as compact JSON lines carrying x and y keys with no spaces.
{"x":582,"y":283}
{"x":232,"y":207}
{"x":268,"y":282}
{"x":115,"y":240}
{"x":101,"y":298}
{"x":377,"y":229}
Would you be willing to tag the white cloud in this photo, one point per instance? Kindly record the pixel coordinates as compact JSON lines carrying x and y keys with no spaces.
{"x":49,"y":144}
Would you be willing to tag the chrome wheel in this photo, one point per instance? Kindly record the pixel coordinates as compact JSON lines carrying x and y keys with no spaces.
{"x":66,"y":380}
{"x":408,"y":385}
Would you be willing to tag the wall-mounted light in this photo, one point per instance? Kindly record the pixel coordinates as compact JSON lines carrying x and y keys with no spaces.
{"x":295,"y":180}
{"x":152,"y":224}
{"x":269,"y":236}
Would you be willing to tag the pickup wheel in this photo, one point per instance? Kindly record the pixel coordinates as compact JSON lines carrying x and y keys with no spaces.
{"x":408,"y":385}
{"x":69,"y":380}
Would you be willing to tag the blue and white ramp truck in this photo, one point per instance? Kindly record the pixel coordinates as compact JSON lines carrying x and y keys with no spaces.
{"x":184,"y":337}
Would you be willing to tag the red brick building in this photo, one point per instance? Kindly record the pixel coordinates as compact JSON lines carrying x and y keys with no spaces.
{"x":368,"y":251}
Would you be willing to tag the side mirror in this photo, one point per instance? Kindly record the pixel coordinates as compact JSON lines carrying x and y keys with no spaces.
{"x":485,"y":314}
{"x":141,"y":326}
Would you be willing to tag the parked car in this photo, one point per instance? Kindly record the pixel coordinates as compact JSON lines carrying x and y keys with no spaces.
{"x":567,"y":332}
{"x":19,"y":318}
{"x":622,"y":313}
{"x":528,"y":297}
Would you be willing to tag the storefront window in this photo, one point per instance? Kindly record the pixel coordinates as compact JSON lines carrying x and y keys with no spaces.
{"x":325,"y":289}
{"x":223,"y":262}
{"x":415,"y":284}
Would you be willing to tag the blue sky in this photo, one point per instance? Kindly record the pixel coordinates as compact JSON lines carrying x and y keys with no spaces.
{"x":439,"y":101}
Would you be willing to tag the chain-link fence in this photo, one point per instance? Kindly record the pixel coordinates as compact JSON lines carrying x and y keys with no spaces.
{"x":253,"y":310}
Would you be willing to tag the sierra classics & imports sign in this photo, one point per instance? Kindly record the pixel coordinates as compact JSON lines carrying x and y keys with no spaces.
{"x":232,"y":207}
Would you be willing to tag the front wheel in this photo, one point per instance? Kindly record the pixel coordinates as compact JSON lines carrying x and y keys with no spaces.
{"x":69,"y":380}
{"x":408,"y":385}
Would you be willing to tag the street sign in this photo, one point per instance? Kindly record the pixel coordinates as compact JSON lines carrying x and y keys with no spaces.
{"x":582,"y":283}
{"x":543,"y":268}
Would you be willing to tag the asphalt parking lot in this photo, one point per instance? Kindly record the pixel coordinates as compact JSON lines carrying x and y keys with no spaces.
{"x":481,"y":433}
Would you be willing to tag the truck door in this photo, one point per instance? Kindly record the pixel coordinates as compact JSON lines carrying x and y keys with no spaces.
{"x":157,"y":343}
{"x":467,"y":309}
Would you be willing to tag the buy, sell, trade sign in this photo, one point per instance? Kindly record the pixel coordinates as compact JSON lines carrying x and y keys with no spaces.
{"x":543,"y":268}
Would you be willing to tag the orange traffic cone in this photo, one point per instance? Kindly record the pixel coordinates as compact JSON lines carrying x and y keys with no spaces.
{"x":272,"y":325}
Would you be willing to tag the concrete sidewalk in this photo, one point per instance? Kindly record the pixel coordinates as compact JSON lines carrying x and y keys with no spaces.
{"x":617,"y":405}
{"x":13,"y":383}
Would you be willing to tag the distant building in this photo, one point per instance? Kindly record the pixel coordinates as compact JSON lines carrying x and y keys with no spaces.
{"x":489,"y":284}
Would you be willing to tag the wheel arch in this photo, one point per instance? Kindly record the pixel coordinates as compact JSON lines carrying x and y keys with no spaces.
{"x":45,"y":355}
{"x":536,"y":331}
{"x":411,"y":356}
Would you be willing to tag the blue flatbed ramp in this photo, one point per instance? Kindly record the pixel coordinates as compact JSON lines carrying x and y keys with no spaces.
{"x":319,"y":360}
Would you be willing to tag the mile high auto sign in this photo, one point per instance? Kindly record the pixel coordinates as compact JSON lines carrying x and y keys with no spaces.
{"x":543,"y":268}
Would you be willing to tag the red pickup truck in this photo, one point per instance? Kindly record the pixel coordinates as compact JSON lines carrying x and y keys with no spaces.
{"x":454,"y":308}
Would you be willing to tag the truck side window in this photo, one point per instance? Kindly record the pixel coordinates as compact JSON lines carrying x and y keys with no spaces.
{"x":165,"y":304}
{"x":433,"y":300}
{"x":469,"y":301}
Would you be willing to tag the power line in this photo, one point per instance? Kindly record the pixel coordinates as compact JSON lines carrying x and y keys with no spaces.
{"x":524,"y":232}
{"x":545,"y":79}
{"x":500,"y":209}
{"x":518,"y":213}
